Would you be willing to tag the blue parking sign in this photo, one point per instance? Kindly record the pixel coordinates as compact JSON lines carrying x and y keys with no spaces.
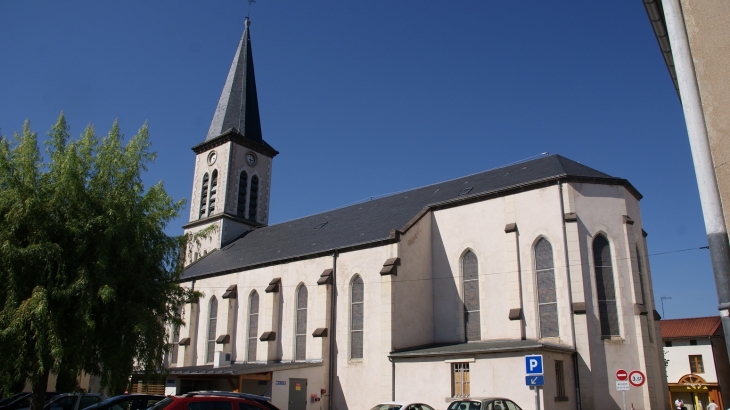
{"x":533,"y":364}
{"x":535,"y":380}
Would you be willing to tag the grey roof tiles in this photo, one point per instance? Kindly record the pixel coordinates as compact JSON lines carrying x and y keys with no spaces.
{"x":371,"y":222}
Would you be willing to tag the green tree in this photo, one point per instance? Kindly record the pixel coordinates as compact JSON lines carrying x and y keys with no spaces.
{"x":88,"y":278}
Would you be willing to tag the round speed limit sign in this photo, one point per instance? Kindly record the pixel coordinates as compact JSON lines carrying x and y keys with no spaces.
{"x":636,"y":378}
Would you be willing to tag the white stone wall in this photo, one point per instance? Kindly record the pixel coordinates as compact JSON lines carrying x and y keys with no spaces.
{"x":678,"y":356}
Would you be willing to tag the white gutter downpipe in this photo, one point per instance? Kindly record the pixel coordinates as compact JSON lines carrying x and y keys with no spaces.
{"x":702,"y":157}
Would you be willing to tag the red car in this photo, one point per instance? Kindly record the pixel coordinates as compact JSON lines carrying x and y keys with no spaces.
{"x":213,"y":400}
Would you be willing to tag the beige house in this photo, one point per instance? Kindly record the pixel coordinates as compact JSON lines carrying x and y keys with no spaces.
{"x":430,"y":294}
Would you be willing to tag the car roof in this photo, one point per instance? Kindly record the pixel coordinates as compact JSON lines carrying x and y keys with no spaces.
{"x":402,"y":403}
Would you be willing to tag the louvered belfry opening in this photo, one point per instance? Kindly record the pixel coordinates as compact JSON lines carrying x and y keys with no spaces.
{"x":204,"y":196}
{"x":357,"y":290}
{"x":212,"y":322}
{"x":175,"y":340}
{"x":213,"y":190}
{"x":301,"y":328}
{"x":605,"y":289}
{"x":253,"y":200}
{"x":242,"y":186}
{"x":470,"y":273}
{"x":640,"y":264}
{"x":253,"y":326}
{"x":546,"y":296}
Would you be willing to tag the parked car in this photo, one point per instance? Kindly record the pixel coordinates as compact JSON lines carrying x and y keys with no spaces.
{"x":402,"y":405}
{"x":128,"y":402}
{"x":21,"y":401}
{"x":490,"y":403}
{"x":74,"y":401}
{"x":7,"y":400}
{"x":215,"y":400}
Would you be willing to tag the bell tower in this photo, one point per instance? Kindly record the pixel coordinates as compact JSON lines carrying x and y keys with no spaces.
{"x":232,"y":180}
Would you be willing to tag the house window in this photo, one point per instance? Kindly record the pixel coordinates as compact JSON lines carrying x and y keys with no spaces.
{"x":470,"y":272}
{"x":301,"y":330}
{"x":560,"y":381}
{"x":212,"y":319}
{"x":693,"y":342}
{"x":175,"y":340}
{"x":253,"y":325}
{"x":695,"y":364}
{"x":356,"y":318}
{"x":607,"y":309}
{"x":203,"y":196}
{"x":547,"y":302}
{"x":668,"y":343}
{"x":213,"y":190}
{"x":460,"y":380}
{"x":254,"y":198}
{"x":242,"y":185}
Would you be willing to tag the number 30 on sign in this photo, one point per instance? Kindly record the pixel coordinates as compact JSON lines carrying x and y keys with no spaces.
{"x":636,"y":378}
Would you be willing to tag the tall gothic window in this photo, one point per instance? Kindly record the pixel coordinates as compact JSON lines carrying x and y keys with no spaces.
{"x":605,"y":289}
{"x":301,"y":330}
{"x":547,"y":302}
{"x":204,"y":196}
{"x":175,"y":340}
{"x":253,"y":200}
{"x":213,"y":190}
{"x":470,"y":273}
{"x":253,"y":325}
{"x":357,"y":301}
{"x":640,"y":264}
{"x":242,"y":185}
{"x":212,"y":321}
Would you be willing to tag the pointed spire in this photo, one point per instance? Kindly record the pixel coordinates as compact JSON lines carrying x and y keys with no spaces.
{"x":238,"y":106}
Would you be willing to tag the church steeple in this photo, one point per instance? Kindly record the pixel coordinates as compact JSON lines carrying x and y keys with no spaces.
{"x":238,"y":106}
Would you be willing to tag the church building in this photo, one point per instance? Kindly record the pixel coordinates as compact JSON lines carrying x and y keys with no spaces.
{"x":431,"y":295}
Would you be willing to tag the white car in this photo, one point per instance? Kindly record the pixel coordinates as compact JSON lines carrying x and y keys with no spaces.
{"x":402,"y":405}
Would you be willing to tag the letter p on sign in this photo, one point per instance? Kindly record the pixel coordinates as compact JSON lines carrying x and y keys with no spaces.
{"x":533,"y":364}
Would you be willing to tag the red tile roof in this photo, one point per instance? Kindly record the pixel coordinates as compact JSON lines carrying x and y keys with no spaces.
{"x":690,"y":327}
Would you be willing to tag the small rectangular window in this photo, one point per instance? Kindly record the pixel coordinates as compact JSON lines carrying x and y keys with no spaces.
{"x":460,"y":380}
{"x":668,"y":343}
{"x":465,"y":191}
{"x":695,"y":364}
{"x":559,"y":381}
{"x":693,"y":342}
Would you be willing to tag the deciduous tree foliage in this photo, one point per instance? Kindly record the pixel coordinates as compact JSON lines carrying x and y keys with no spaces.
{"x":87,"y":274}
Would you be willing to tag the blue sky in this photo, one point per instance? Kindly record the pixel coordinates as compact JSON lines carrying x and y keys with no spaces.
{"x":364,"y":98}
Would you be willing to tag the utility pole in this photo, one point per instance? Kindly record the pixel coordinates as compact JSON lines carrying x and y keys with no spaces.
{"x":662,"y":298}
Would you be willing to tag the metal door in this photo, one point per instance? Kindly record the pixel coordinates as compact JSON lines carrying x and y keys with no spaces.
{"x":297,"y":394}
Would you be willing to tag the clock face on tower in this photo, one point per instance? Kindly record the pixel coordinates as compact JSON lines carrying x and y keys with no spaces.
{"x":212,"y":157}
{"x":251,"y":159}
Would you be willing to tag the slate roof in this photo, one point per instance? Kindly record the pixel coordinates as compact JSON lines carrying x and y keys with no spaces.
{"x":690,"y":327}
{"x":370,"y":223}
{"x":487,"y":346}
{"x":238,"y":106}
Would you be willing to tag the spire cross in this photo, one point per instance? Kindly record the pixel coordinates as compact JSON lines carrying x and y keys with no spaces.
{"x":249,"y":8}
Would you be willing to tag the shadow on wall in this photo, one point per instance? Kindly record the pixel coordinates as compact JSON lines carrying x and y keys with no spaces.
{"x":448,"y":308}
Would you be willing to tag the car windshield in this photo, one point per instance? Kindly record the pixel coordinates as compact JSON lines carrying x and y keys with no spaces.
{"x":466,"y":405}
{"x":161,"y":404}
{"x":387,"y":407}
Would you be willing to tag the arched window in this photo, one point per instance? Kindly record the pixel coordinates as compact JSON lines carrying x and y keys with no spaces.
{"x":547,"y":302}
{"x":242,"y":185}
{"x":213,"y":190}
{"x":254,"y":198}
{"x":357,"y":291}
{"x":470,"y":273}
{"x":253,"y":325}
{"x":605,"y":289}
{"x":212,"y":319}
{"x":640,"y":264}
{"x":175,"y":340}
{"x":301,"y":330}
{"x":203,"y":196}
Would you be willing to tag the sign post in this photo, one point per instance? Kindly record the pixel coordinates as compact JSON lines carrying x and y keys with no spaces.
{"x":534,"y":375}
{"x":622,"y":385}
